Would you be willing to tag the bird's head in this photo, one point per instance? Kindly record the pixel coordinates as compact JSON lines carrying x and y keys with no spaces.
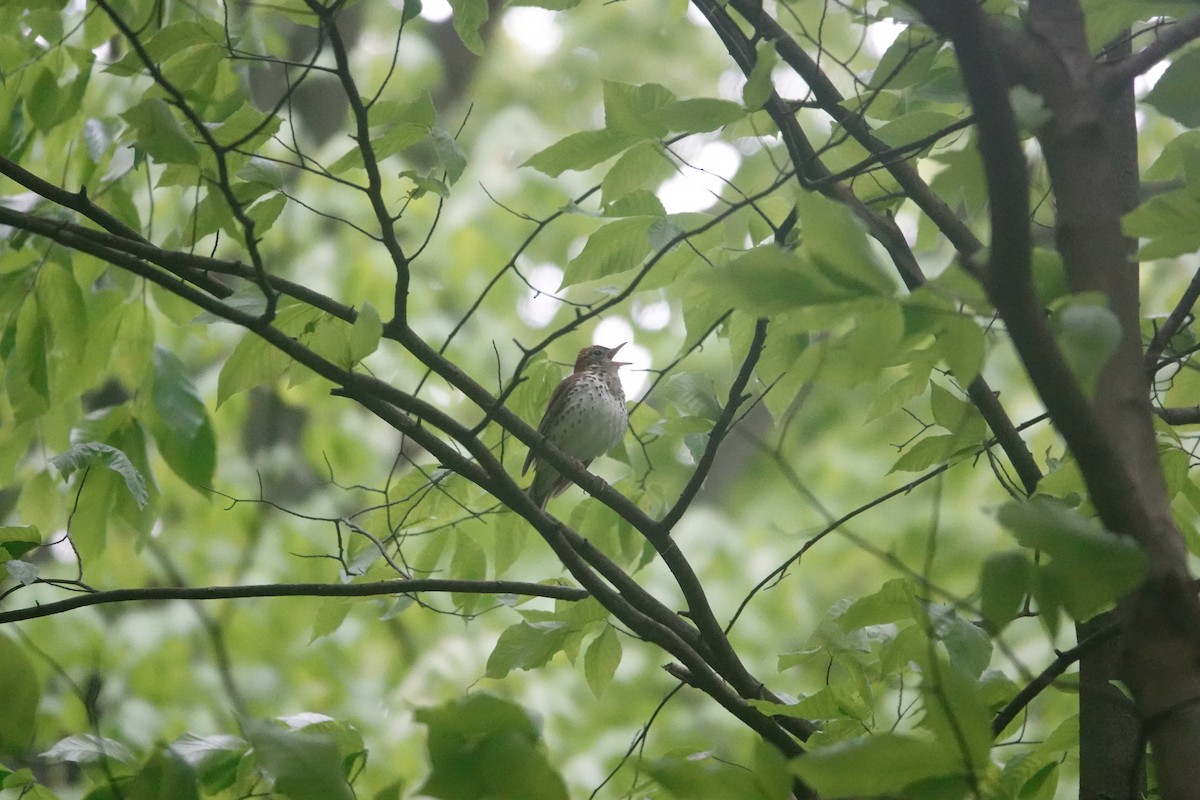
{"x":597,"y":357}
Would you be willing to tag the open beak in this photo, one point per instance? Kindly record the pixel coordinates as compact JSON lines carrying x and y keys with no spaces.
{"x":612,"y":351}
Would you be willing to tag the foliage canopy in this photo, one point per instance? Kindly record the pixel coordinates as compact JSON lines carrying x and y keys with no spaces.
{"x":285,"y":288}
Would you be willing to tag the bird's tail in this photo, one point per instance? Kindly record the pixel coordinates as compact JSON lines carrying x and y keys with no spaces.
{"x":547,"y":484}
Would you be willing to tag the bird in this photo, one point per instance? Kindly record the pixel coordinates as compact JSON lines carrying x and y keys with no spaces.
{"x":586,"y":417}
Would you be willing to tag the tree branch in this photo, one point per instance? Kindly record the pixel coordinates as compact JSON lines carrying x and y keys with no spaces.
{"x":719,"y":430}
{"x":1172,"y":325}
{"x":882,"y":228}
{"x":1186,"y":415}
{"x":1047,"y":676}
{"x":201,"y":129}
{"x":1117,"y":77}
{"x":362,"y":135}
{"x":160,"y":593}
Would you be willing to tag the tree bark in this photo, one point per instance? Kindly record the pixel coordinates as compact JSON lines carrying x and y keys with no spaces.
{"x":1111,"y":434}
{"x":1112,"y":750}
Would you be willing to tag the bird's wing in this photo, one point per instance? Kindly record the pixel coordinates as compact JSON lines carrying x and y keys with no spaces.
{"x":553,"y":409}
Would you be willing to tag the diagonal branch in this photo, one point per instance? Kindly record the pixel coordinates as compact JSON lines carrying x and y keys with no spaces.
{"x":1047,"y":677}
{"x":1172,"y":325}
{"x":1117,"y":77}
{"x":719,"y":430}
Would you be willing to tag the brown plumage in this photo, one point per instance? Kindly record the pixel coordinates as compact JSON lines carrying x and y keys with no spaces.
{"x":586,"y":417}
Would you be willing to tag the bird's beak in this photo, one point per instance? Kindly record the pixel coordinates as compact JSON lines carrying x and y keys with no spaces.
{"x":612,"y":351}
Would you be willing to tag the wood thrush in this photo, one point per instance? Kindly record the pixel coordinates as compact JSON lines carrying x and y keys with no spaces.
{"x":586,"y":417}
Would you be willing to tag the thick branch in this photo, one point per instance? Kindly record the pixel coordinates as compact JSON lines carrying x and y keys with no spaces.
{"x":1008,"y":275}
{"x":1187,"y":415}
{"x":1118,"y":76}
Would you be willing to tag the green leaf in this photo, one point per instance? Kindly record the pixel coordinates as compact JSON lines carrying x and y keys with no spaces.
{"x":968,"y":645}
{"x":892,"y":603}
{"x":159,"y":134}
{"x":907,"y":60}
{"x":579,"y":151}
{"x":306,"y":764}
{"x":929,"y":451}
{"x":1171,"y":223}
{"x":164,"y":776}
{"x":1175,"y":158}
{"x":423,"y":184}
{"x":882,"y":764}
{"x":900,"y":392}
{"x":180,"y":422}
{"x":837,"y":241}
{"x":1003,"y":583}
{"x":387,"y":114}
{"x":43,"y":99}
{"x":642,"y":166}
{"x":1088,"y":335}
{"x":913,"y":126}
{"x":482,"y":746}
{"x":27,"y":374}
{"x":391,"y":141}
{"x":469,"y":17}
{"x":955,"y":709}
{"x":169,"y":41}
{"x":21,"y":571}
{"x":21,"y":691}
{"x":703,"y":776}
{"x":365,"y":333}
{"x":215,"y":758}
{"x":955,"y":414}
{"x":254,"y":362}
{"x":331,"y":613}
{"x":266,"y":211}
{"x":867,"y":348}
{"x":1175,"y":92}
{"x":248,"y":128}
{"x":86,"y":748}
{"x":1029,"y":776}
{"x":614,"y":248}
{"x":468,"y":562}
{"x":1089,"y":567}
{"x":65,"y":315}
{"x":759,"y":85}
{"x":961,"y":342}
{"x":17,"y":540}
{"x":96,"y":454}
{"x":641,"y":203}
{"x":449,"y":155}
{"x":526,"y":646}
{"x":700,"y":114}
{"x":601,"y":659}
{"x":770,"y":279}
{"x":636,"y":110}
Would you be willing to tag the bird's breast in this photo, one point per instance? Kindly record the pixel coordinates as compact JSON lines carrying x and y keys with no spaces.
{"x":593,"y":419}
